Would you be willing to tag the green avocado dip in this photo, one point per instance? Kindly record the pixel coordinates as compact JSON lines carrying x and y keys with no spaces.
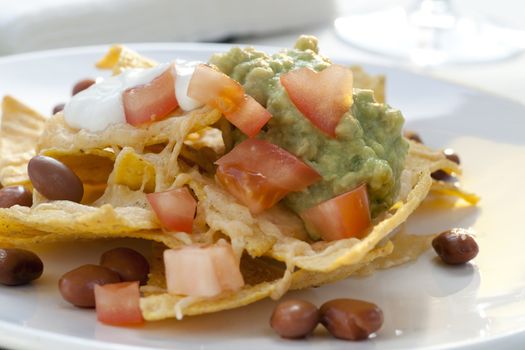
{"x":368,"y":147}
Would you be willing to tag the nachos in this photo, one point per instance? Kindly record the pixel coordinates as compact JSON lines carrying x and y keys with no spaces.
{"x":253,"y":173}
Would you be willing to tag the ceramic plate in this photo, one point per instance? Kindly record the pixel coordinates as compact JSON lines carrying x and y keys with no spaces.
{"x":426,"y":305}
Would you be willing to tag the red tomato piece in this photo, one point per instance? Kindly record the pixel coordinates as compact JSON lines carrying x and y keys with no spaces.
{"x":277,"y":165}
{"x":175,"y":209}
{"x":118,"y":303}
{"x":215,"y":89}
{"x":321,"y":97}
{"x":251,"y":189}
{"x":344,"y":216}
{"x":202,"y":271}
{"x":249,"y":117}
{"x":218,"y":90}
{"x":259,"y":174}
{"x":152,"y":101}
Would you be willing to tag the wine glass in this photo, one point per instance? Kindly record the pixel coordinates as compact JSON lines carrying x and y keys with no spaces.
{"x":430,"y":32}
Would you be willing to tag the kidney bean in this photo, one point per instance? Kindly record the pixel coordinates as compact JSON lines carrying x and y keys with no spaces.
{"x":77,"y":286}
{"x":15,"y":195}
{"x":441,"y":175}
{"x":54,"y":180}
{"x":456,"y":246}
{"x":19,"y":266}
{"x":59,"y":107}
{"x":451,"y":155}
{"x":128,"y":263}
{"x":413,"y":136}
{"x":294,"y":318}
{"x":351,"y":319}
{"x":82,"y":85}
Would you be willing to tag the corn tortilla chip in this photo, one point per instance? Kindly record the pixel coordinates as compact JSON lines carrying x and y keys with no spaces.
{"x":133,"y":171}
{"x":119,"y":58}
{"x":20,"y":129}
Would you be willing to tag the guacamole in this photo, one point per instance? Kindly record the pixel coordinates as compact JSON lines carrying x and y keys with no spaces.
{"x":368,"y":146}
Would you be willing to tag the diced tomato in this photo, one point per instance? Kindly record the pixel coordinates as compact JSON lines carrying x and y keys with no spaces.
{"x":118,"y":303}
{"x":249,"y":117}
{"x":344,"y":216}
{"x":149,"y":102}
{"x":259,"y":174}
{"x":175,"y":208}
{"x":251,"y":189}
{"x":218,"y":90}
{"x":215,"y":89}
{"x":202,"y":271}
{"x":277,"y":165}
{"x":321,"y":97}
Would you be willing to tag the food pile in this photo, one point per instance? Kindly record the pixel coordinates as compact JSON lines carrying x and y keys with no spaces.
{"x":253,"y":174}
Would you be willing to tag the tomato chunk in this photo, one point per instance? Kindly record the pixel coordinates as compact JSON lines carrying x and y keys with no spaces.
{"x":215,"y":89}
{"x":277,"y":165}
{"x":251,"y":189}
{"x":218,"y":90}
{"x":203,"y":271}
{"x":175,"y":208}
{"x":344,"y":216}
{"x":149,"y":102}
{"x":321,"y":97}
{"x":118,"y":303}
{"x":249,"y":117}
{"x":259,"y":174}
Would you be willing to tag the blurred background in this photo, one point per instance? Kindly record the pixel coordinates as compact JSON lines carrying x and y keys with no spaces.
{"x":416,"y":34}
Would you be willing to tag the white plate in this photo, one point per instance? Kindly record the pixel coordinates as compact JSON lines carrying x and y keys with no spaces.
{"x":426,"y":305}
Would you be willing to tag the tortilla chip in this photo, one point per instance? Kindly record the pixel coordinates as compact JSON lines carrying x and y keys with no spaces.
{"x":20,"y":129}
{"x":407,"y":248}
{"x":453,"y":189}
{"x":92,"y":166}
{"x":421,"y":156}
{"x":92,"y":192}
{"x":67,"y":221}
{"x":133,"y":171}
{"x":363,"y":80}
{"x":328,"y":256}
{"x":59,"y":136}
{"x":119,"y":58}
{"x":262,"y":276}
{"x":319,"y":263}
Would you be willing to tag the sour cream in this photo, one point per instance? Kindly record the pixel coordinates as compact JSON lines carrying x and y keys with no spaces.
{"x":184,"y":70}
{"x":101,"y":105}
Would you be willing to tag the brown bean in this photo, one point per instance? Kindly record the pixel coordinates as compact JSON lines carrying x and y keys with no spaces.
{"x":441,"y":175}
{"x":82,"y":85}
{"x":294,"y":319}
{"x":128,"y":263}
{"x":19,"y":266}
{"x":456,"y":246}
{"x":54,"y":180}
{"x":351,"y":319}
{"x":413,"y":136}
{"x":59,"y":107}
{"x":451,"y":155}
{"x":15,"y":195}
{"x":78,"y":286}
